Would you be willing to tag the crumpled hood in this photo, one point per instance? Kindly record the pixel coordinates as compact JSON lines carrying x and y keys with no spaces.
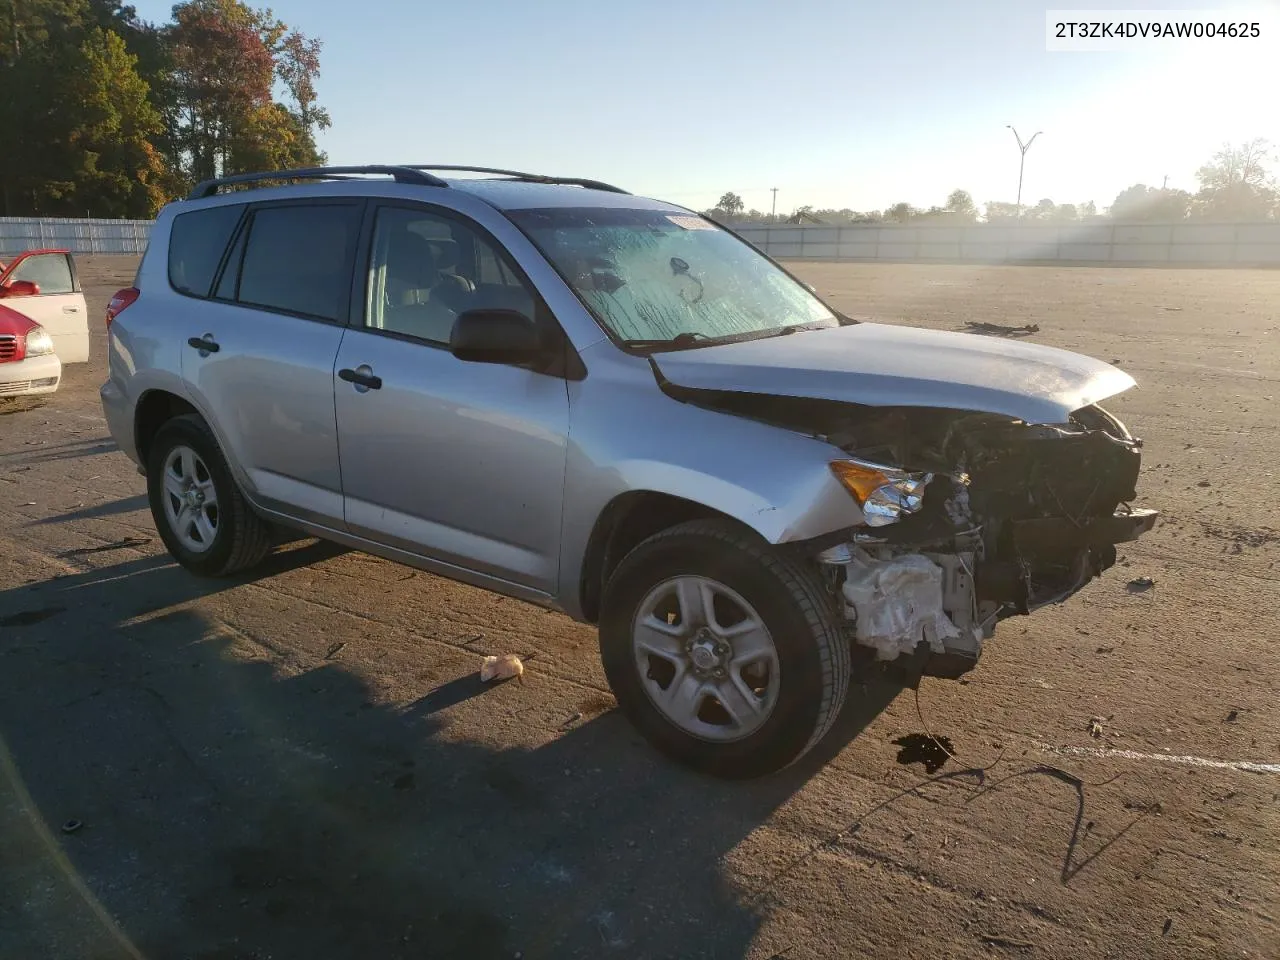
{"x":881,"y":365}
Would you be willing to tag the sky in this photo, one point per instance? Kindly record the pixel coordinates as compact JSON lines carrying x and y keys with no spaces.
{"x":837,"y":103}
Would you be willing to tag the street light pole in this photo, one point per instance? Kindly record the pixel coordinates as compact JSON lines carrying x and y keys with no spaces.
{"x":1023,"y":148}
{"x":774,"y":212}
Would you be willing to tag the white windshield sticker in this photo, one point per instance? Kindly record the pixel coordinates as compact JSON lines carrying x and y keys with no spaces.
{"x":691,"y":223}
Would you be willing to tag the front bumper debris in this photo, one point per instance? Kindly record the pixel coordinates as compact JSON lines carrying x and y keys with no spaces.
{"x":927,"y":604}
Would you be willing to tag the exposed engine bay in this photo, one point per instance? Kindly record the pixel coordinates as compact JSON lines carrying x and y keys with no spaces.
{"x":1013,"y":516}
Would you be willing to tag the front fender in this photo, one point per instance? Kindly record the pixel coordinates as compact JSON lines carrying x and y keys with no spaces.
{"x":626,"y":436}
{"x":782,"y":503}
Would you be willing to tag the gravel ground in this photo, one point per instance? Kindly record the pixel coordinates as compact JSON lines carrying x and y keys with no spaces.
{"x":302,"y":762}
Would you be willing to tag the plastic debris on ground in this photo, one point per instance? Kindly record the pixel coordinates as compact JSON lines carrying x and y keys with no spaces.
{"x":502,"y":668}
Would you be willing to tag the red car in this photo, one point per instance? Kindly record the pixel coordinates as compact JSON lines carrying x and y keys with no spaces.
{"x":43,"y":285}
{"x":28,"y":364}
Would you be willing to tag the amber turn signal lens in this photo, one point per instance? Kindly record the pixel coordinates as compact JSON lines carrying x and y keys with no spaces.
{"x":860,"y":480}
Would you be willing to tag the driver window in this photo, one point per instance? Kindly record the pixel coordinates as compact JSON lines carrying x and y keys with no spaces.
{"x":428,"y":269}
{"x":51,"y":272}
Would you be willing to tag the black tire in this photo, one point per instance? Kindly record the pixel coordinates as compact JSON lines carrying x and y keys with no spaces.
{"x":813,"y":651}
{"x":242,"y":538}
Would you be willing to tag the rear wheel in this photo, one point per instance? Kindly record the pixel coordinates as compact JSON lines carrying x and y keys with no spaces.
{"x":198,"y":510}
{"x":725,"y":654}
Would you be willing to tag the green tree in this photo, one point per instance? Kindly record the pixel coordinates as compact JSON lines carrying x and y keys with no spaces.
{"x":731,"y":204}
{"x":39,"y":37}
{"x":960,"y":205}
{"x":146,"y":42}
{"x":998,"y":210}
{"x":117,"y":171}
{"x":1142,"y":203}
{"x":901,"y":212}
{"x":1044,"y":210}
{"x":1237,"y":183}
{"x":28,"y":26}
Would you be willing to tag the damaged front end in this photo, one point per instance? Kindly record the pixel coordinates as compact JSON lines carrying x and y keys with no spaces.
{"x":1013,"y":516}
{"x":970,"y":517}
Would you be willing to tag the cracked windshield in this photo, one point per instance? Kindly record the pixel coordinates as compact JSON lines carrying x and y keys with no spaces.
{"x":655,"y":277}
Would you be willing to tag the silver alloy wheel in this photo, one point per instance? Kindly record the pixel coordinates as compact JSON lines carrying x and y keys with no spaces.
{"x":706,"y":659}
{"x":190,"y":499}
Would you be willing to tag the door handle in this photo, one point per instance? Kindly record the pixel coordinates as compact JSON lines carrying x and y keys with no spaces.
{"x":70,"y":309}
{"x":362,"y":377}
{"x":205,"y":344}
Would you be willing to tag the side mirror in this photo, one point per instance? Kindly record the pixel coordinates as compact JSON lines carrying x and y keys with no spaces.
{"x":20,"y":288}
{"x":496,"y":336}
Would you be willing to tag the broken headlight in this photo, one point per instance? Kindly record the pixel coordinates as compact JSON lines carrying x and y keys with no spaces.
{"x":885,"y":495}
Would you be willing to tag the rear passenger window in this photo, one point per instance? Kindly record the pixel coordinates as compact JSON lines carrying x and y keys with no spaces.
{"x":196,"y":242}
{"x":298,"y":258}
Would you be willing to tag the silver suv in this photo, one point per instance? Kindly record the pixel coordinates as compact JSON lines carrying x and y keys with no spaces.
{"x":612,"y":407}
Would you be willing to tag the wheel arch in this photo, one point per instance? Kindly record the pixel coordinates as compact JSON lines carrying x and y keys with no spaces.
{"x":154,"y":408}
{"x":626,"y":521}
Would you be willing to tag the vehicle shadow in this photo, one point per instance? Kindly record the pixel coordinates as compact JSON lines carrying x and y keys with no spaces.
{"x":9,"y":405}
{"x":97,"y":511}
{"x":48,"y":453}
{"x":232,"y":805}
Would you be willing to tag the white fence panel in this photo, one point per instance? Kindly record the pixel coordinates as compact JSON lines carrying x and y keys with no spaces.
{"x":1129,"y":244}
{"x":118,"y":237}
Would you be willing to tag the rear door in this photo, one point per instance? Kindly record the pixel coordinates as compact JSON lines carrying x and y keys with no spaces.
{"x":58,"y":306}
{"x":261,"y":336}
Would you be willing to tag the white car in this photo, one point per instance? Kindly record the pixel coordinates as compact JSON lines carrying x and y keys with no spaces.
{"x":28,"y":364}
{"x":42,"y":285}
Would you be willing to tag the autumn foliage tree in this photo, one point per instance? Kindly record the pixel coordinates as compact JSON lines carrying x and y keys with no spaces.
{"x":110,"y":116}
{"x":226,"y":59}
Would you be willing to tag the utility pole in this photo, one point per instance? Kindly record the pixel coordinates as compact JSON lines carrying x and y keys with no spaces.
{"x":774,"y":212}
{"x":1023,"y":147}
{"x":1165,"y":185}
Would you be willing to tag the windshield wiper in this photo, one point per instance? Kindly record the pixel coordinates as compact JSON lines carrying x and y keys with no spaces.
{"x":791,"y":328}
{"x":689,"y":338}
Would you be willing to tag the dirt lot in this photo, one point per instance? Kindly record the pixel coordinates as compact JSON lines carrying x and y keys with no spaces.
{"x":303,"y":764}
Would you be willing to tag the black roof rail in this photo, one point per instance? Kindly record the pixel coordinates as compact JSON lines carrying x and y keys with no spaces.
{"x":209,"y":188}
{"x":520,"y":175}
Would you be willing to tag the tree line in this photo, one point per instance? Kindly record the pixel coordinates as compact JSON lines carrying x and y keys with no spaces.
{"x":1236,"y":184}
{"x":106,"y":115}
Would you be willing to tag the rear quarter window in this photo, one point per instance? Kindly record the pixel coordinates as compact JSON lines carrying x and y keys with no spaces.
{"x":197,"y":241}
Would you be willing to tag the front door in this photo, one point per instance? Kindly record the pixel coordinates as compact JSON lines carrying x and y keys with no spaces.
{"x":58,"y":305}
{"x":259,"y":342}
{"x":460,"y":462}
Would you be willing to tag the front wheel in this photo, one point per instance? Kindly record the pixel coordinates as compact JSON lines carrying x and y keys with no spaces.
{"x":725,"y":654}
